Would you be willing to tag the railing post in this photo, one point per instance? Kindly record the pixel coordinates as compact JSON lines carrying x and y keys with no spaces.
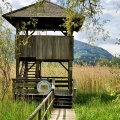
{"x":46,"y":104}
{"x":74,"y":89}
{"x":53,"y":84}
{"x":39,"y":115}
{"x":70,"y":76}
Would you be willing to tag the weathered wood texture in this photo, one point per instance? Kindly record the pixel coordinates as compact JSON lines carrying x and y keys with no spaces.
{"x":26,"y":49}
{"x":63,"y":114}
{"x":28,"y":86}
{"x":47,"y":47}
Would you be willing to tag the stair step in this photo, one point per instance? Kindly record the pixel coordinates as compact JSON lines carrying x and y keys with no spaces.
{"x":62,"y":106}
{"x":63,"y":102}
{"x":63,"y":99}
{"x":31,"y":62}
{"x":63,"y":96}
{"x":61,"y":85}
{"x":31,"y":66}
{"x":31,"y":74}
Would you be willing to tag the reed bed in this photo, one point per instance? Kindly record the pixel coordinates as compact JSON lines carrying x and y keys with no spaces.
{"x":96,"y":79}
{"x":101,"y":81}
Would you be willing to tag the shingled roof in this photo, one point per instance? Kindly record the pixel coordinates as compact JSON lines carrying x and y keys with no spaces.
{"x":49,"y":15}
{"x":39,"y":9}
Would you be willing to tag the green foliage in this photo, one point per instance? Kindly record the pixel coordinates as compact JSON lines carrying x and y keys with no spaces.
{"x":114,"y":62}
{"x":91,"y":10}
{"x":6,"y":56}
{"x":73,"y":21}
{"x":104,"y":62}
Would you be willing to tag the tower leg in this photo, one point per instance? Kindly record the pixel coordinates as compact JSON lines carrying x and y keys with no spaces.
{"x":37,"y":69}
{"x":70,"y":76}
{"x":17,"y":67}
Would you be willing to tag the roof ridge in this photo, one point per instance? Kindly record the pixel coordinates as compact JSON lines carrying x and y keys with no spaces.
{"x":22,"y":8}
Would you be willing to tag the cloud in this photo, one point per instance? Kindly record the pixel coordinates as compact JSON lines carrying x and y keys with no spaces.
{"x":16,"y":4}
{"x":114,"y":49}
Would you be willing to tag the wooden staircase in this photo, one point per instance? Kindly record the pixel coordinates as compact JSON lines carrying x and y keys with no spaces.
{"x":28,"y":70}
{"x":63,"y":101}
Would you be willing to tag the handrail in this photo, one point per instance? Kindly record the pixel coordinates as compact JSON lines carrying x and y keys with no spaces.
{"x":38,"y":109}
{"x":74,"y":89}
{"x":44,"y":77}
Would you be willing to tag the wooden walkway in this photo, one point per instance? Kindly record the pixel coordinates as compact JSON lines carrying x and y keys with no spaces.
{"x":62,"y":114}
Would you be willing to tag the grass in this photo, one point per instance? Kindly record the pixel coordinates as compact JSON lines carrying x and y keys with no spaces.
{"x":94,"y":109}
{"x":18,"y":110}
{"x":96,"y":98}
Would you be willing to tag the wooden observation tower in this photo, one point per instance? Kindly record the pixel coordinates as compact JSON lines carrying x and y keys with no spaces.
{"x":32,"y":50}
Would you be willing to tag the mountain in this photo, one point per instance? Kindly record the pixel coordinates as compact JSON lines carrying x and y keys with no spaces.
{"x":89,"y":53}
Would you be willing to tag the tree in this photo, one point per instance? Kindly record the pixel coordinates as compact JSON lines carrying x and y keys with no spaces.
{"x":91,"y":10}
{"x":6,"y":55}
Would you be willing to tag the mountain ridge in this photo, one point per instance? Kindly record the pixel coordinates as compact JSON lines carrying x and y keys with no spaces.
{"x":89,"y":53}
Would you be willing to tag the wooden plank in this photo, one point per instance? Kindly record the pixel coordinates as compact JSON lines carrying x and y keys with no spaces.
{"x":27,"y":50}
{"x":54,"y":47}
{"x":29,"y":85}
{"x":61,"y":85}
{"x":57,"y":48}
{"x":63,"y":114}
{"x":38,"y":80}
{"x":47,"y":47}
{"x":34,"y":84}
{"x":62,"y":92}
{"x":20,"y":90}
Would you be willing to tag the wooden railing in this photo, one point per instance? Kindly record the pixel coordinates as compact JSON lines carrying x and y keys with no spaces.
{"x":47,"y":105}
{"x":74,"y":89}
{"x":25,"y":86}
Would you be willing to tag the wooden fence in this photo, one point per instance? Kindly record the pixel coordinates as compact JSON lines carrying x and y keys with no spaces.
{"x":47,"y":105}
{"x":26,"y":86}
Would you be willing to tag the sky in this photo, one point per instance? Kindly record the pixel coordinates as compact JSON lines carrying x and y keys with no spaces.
{"x":111,"y":12}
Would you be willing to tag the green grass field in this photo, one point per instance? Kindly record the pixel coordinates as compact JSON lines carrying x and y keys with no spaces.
{"x":97,"y":96}
{"x":94,"y":109}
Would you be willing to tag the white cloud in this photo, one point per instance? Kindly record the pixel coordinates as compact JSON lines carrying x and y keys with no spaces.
{"x":16,"y":4}
{"x":114,"y":49}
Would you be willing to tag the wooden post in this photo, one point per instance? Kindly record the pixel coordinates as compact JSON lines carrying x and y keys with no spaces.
{"x":17,"y":68}
{"x":37,"y":69}
{"x":40,"y":75}
{"x":17,"y":50}
{"x":46,"y":105}
{"x":39,"y":115}
{"x":27,"y":32}
{"x":70,"y":76}
{"x":26,"y":69}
